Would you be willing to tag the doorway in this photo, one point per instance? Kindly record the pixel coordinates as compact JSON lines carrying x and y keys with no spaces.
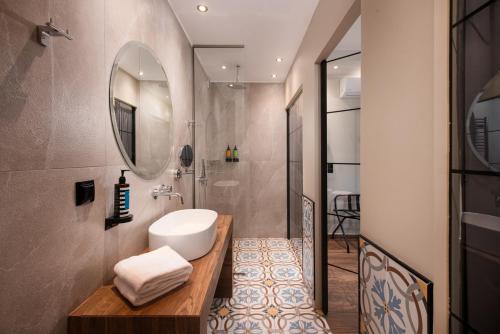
{"x":340,"y":118}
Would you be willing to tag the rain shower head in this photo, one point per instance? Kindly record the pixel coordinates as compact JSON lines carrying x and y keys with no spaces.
{"x":237,"y":84}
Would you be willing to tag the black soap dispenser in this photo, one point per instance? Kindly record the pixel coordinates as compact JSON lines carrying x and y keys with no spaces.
{"x":121,"y":203}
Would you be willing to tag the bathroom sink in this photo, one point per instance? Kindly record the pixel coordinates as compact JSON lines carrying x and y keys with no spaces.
{"x":191,"y":232}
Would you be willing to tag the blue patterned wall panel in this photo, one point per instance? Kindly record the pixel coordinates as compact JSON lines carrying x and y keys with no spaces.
{"x":308,"y":244}
{"x":393,"y":298}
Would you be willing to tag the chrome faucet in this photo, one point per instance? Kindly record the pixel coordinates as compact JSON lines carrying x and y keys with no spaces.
{"x":164,"y":190}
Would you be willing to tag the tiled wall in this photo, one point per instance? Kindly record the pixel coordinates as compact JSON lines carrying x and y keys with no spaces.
{"x":55,"y":130}
{"x":254,"y":119}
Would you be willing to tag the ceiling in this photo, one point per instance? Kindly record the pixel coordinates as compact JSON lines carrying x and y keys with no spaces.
{"x":267,"y":28}
{"x":350,"y":43}
{"x":136,"y":60}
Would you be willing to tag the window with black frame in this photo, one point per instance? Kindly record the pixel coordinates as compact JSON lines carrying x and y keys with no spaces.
{"x":125,"y":119}
{"x":475,"y":167}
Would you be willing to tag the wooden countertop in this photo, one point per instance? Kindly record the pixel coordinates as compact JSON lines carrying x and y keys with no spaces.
{"x":191,"y":300}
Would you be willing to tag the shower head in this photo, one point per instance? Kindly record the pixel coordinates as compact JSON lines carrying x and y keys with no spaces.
{"x":237,"y":84}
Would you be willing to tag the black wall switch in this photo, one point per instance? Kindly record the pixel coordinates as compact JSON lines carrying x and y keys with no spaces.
{"x":85,"y":192}
{"x":329,"y":167}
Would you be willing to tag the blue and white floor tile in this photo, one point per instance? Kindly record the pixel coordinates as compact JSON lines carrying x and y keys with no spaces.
{"x":269,"y":294}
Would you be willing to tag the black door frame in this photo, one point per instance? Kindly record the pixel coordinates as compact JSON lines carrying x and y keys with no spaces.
{"x":324,"y":187}
{"x":324,"y":175}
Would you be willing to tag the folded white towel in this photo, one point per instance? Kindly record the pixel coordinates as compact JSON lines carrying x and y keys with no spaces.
{"x":144,"y":271}
{"x":143,"y":298}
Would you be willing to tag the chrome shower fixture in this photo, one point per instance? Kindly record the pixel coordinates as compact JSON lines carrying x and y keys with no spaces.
{"x":236,"y":84}
{"x":50,"y":29}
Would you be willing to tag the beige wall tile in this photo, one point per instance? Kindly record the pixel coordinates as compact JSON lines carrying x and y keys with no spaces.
{"x":55,"y":116}
{"x":52,"y":251}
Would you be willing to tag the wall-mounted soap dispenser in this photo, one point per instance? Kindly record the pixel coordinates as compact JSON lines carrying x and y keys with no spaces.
{"x":121,"y":203}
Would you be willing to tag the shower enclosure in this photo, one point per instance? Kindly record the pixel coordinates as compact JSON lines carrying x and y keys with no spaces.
{"x":245,"y":120}
{"x":220,"y":122}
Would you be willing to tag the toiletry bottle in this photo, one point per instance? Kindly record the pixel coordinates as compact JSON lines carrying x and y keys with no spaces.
{"x":228,"y":154}
{"x":235,"y":154}
{"x":122,"y":197}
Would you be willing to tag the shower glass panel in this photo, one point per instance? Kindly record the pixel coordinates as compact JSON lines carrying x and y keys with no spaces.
{"x":295,"y":188}
{"x":343,"y":113}
{"x":220,"y":121}
{"x":475,"y":167}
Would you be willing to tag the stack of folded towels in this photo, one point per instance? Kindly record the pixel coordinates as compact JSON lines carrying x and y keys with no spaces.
{"x":145,"y":277}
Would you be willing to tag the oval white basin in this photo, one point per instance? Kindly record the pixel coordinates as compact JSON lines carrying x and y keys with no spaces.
{"x":191,"y":232}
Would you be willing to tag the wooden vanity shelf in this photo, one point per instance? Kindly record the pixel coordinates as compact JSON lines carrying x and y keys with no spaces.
{"x":183,"y":310}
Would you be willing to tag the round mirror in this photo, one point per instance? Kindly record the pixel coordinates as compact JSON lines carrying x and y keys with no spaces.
{"x":483,"y":125}
{"x":141,"y":110}
{"x":186,"y":156}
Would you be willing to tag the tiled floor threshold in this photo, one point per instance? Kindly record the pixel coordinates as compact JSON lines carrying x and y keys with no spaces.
{"x":269,"y":294}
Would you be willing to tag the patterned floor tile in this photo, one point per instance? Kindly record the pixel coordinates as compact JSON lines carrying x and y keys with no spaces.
{"x":269,"y":295}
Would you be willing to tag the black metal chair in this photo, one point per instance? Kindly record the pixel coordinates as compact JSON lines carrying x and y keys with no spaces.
{"x":350,"y":209}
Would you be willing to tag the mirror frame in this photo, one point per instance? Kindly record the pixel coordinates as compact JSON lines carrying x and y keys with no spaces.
{"x":124,"y":48}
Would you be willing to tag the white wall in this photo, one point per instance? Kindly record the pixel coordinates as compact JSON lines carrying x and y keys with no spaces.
{"x":404,"y":136}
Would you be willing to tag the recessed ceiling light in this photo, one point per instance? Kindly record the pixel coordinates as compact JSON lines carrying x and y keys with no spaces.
{"x":335,"y":67}
{"x":279,"y":60}
{"x":141,"y":73}
{"x":223,"y":67}
{"x":202,"y":8}
{"x":231,"y":85}
{"x":274,"y":76}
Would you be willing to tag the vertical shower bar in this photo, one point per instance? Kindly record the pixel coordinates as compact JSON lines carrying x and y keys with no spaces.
{"x":193,"y":124}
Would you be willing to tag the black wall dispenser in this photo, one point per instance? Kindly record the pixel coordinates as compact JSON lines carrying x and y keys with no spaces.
{"x":84,"y":192}
{"x":121,"y":203}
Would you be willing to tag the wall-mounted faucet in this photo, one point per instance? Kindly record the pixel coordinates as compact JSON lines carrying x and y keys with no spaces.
{"x":164,"y":190}
{"x":50,"y":29}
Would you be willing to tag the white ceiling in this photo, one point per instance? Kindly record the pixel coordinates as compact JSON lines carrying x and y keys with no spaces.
{"x":136,"y":60}
{"x":346,"y":67}
{"x":268,"y":29}
{"x":350,"y":43}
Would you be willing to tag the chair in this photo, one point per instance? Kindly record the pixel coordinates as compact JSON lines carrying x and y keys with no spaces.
{"x":345,"y":206}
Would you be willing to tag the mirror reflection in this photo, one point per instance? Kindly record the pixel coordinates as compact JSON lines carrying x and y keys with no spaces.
{"x":483,"y":125}
{"x":141,"y":110}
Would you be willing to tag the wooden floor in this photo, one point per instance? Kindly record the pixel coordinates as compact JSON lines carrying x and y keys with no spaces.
{"x":342,"y":286}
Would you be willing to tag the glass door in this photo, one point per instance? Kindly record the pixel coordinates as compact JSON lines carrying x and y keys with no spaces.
{"x":475,"y":167}
{"x":294,"y":167}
